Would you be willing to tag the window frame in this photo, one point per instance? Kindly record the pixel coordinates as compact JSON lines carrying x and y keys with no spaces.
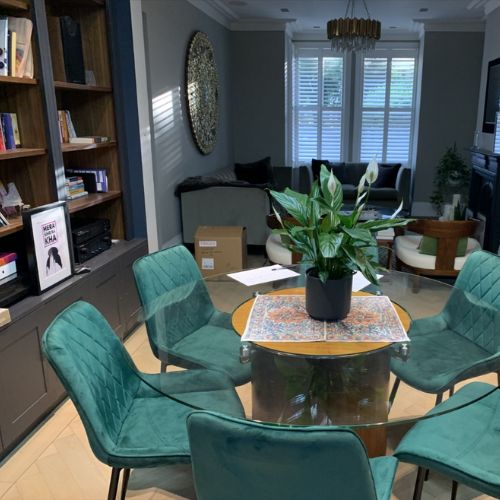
{"x":393,"y":52}
{"x":320,"y":50}
{"x":352,"y":97}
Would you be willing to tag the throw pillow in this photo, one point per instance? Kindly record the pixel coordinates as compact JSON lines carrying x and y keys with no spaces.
{"x":387,"y":175}
{"x":257,"y":172}
{"x":338,"y":169}
{"x":428,"y":246}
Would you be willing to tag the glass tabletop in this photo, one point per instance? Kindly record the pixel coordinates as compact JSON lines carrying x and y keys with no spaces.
{"x":329,"y":383}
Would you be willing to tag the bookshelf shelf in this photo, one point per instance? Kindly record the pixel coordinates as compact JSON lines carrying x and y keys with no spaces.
{"x":78,"y":86}
{"x":18,"y":80}
{"x":21,"y":153}
{"x":92,"y":200}
{"x":15,"y":225}
{"x":68,"y":148}
{"x":14,"y":4}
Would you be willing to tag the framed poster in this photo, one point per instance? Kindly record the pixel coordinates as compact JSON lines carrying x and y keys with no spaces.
{"x":50,"y":255}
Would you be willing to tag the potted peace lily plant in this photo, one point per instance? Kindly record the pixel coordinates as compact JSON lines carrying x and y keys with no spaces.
{"x":334,"y":243}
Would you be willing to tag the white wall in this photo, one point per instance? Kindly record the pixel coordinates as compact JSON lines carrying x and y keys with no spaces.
{"x":491,"y":51}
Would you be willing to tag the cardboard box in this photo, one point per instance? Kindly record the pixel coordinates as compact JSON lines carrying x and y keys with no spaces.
{"x":220,"y":249}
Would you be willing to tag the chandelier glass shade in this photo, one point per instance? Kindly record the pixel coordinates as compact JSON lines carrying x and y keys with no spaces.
{"x":350,"y":34}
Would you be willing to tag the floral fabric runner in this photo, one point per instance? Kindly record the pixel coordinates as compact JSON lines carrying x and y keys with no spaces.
{"x":283,"y":318}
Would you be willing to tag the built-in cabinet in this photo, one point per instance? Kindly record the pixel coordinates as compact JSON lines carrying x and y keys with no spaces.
{"x":29,"y":389}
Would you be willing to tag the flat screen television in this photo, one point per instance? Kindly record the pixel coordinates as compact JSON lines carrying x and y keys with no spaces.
{"x":492,"y":101}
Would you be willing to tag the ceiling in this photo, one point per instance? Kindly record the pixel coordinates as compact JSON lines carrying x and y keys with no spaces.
{"x":310,"y":16}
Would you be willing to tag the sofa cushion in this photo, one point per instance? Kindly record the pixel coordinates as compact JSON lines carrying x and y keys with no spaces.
{"x":383,"y":194}
{"x":354,"y":172}
{"x":349,"y":192}
{"x":428,"y":246}
{"x":387,"y":174}
{"x":337,"y":167}
{"x":257,"y":172}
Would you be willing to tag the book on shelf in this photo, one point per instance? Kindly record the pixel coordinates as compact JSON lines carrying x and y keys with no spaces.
{"x":63,"y":126}
{"x":3,"y":219}
{"x":23,"y":28}
{"x":92,"y":139}
{"x":15,"y":129}
{"x":95,"y":179}
{"x":2,"y":140}
{"x":72,"y":50}
{"x":77,"y":195}
{"x":4,"y":69}
{"x":11,"y":55}
{"x":8,"y":130}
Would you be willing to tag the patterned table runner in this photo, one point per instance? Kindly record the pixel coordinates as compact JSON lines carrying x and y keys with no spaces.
{"x":283,"y":318}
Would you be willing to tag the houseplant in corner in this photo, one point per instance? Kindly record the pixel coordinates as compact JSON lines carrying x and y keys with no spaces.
{"x":333,"y":243}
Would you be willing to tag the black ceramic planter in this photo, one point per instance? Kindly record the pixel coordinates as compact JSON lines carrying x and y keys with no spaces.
{"x":330,"y":301}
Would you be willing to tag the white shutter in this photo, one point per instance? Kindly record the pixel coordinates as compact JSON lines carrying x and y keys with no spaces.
{"x":318,"y":102}
{"x":387,"y":108}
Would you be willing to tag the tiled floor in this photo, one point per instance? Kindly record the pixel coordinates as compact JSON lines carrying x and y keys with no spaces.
{"x":56,"y":462}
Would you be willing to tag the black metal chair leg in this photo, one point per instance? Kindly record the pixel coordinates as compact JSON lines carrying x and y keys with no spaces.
{"x":113,"y":484}
{"x":394,"y":390}
{"x":126,"y":475}
{"x":454,"y":488}
{"x":439,"y":398}
{"x":426,"y":476}
{"x":163,"y":366}
{"x":419,"y":484}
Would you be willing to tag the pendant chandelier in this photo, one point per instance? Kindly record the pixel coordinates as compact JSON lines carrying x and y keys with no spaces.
{"x":349,"y":34}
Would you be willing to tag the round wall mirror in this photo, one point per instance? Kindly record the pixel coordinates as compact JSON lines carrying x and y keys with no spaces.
{"x":202,"y":92}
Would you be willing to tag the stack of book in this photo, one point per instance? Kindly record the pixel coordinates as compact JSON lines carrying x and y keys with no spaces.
{"x":9,"y":131}
{"x":16,"y":55}
{"x":95,"y":179}
{"x":67,"y":132}
{"x":75,"y":188}
{"x":8,"y":269}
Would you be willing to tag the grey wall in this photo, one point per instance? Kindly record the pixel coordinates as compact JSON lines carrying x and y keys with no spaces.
{"x":168,"y":27}
{"x":448,"y":106}
{"x":491,"y":51}
{"x":258,"y":95}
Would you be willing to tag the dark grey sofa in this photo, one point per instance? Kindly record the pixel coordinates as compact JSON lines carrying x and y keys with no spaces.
{"x":219,"y":199}
{"x":392,"y":186}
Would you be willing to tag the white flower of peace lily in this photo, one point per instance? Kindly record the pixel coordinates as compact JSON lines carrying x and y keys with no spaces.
{"x":372,"y":171}
{"x":332,"y":184}
{"x":361,"y":185}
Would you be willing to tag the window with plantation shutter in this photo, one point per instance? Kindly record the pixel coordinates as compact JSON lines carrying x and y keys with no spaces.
{"x":317,"y":105}
{"x":387,"y":108}
{"x":382,"y":112}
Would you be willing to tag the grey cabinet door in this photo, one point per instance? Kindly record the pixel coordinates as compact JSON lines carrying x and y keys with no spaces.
{"x":130,"y":306}
{"x":102,"y":289}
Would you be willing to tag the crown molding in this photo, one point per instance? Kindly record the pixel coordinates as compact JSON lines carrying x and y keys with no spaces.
{"x":217,"y":10}
{"x":474,"y":25}
{"x":263,"y":25}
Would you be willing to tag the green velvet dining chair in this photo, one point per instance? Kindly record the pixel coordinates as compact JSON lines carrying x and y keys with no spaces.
{"x":183,"y":326}
{"x":234,"y":458}
{"x":129,"y":421}
{"x":462,"y":341}
{"x":463,"y":444}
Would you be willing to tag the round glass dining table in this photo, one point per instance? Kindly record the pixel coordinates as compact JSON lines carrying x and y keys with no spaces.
{"x":324,"y":383}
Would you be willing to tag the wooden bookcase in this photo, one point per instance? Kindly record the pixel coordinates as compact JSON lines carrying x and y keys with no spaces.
{"x":29,"y":388}
{"x":37,"y":168}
